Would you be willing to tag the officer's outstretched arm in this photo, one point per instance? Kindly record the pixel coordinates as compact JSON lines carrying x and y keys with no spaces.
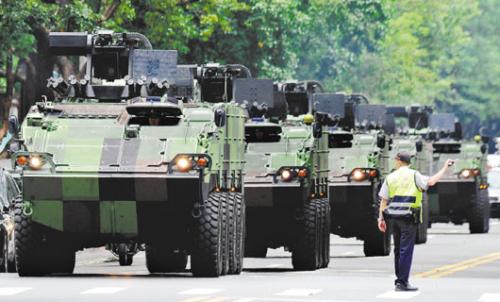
{"x":436,"y":177}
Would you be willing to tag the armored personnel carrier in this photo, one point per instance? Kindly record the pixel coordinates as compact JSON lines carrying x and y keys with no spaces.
{"x":399,"y":121}
{"x":286,"y":173}
{"x":136,"y":151}
{"x":358,"y":162}
{"x":462,"y":195}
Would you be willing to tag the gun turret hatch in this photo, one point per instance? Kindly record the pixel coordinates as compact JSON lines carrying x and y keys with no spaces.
{"x":260,"y":97}
{"x":397,"y":111}
{"x":115,"y":68}
{"x":442,"y":122}
{"x":370,"y":116}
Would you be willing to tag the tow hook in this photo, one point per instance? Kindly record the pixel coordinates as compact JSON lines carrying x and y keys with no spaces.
{"x":27,"y":209}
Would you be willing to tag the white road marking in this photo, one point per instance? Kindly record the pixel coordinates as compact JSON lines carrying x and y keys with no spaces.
{"x":490,"y":297}
{"x":347,"y":253}
{"x":103,"y":290}
{"x":299,"y":292}
{"x":10,"y":291}
{"x":398,"y":295}
{"x":201,"y":291}
{"x":274,"y":265}
{"x":431,"y":236}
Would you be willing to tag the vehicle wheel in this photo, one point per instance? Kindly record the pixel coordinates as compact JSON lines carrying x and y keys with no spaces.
{"x":206,"y":256}
{"x":306,"y":250}
{"x":237,"y":241}
{"x":479,"y":216}
{"x":422,"y":227}
{"x":377,"y":243}
{"x":164,"y":260}
{"x":3,"y":251}
{"x":125,"y":259}
{"x":325,"y":231}
{"x":11,"y":256}
{"x":35,"y":257}
{"x":226,"y":221}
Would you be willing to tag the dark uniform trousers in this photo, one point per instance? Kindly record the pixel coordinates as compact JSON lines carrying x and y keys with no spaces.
{"x":404,"y":231}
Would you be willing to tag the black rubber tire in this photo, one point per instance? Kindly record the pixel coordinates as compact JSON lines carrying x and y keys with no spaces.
{"x":306,"y":249}
{"x":325,"y":231}
{"x":479,"y":215}
{"x":226,"y":220}
{"x":422,"y":227}
{"x":165,"y":260}
{"x":3,"y":251}
{"x":377,"y":243}
{"x":206,"y":254}
{"x":11,"y":260}
{"x":238,"y":230}
{"x":7,"y":253}
{"x":35,"y":257}
{"x":125,"y":259}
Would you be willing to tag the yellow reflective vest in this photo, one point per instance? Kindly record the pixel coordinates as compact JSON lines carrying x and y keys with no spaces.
{"x":405,"y":198}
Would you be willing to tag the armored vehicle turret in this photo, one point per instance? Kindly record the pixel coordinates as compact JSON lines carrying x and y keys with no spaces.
{"x":462,"y":195}
{"x":138,"y":150}
{"x":286,"y":174}
{"x":358,"y":162}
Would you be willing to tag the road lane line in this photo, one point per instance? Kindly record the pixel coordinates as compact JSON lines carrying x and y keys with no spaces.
{"x":347,"y":253}
{"x":431,"y":236}
{"x":489,"y":297}
{"x":201,"y":291}
{"x":10,"y":291}
{"x":398,"y":295}
{"x":299,"y":292}
{"x":102,"y":290}
{"x":464,"y":267}
{"x":459,"y":266}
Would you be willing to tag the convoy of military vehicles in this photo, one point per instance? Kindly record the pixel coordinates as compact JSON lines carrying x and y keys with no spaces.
{"x":203,"y":161}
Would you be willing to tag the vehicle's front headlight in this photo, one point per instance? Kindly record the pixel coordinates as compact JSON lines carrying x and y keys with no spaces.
{"x":32,"y":160}
{"x":468,"y":173}
{"x":360,"y":174}
{"x":288,"y":174}
{"x":189,"y":162}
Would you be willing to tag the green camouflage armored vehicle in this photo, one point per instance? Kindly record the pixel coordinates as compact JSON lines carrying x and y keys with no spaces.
{"x":406,"y":139}
{"x":286,"y":175}
{"x":462,"y":195}
{"x":358,"y":162}
{"x":138,"y":151}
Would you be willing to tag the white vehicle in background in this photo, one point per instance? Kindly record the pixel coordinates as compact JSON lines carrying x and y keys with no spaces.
{"x":494,"y":183}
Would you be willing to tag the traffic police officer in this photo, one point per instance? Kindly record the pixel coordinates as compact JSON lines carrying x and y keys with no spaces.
{"x":401,"y":202}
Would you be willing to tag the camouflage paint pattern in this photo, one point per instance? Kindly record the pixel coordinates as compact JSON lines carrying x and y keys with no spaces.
{"x":296,"y":148}
{"x":101,"y":175}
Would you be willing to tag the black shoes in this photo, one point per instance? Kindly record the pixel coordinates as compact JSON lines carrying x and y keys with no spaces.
{"x":400,"y":287}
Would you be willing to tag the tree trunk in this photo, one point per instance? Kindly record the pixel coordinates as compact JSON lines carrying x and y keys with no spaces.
{"x":36,"y":77}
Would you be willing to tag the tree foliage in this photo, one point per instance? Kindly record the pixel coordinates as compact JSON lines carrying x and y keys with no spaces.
{"x":413,"y":51}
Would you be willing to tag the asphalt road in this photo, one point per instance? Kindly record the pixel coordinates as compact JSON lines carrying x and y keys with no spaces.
{"x":452,"y":266}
